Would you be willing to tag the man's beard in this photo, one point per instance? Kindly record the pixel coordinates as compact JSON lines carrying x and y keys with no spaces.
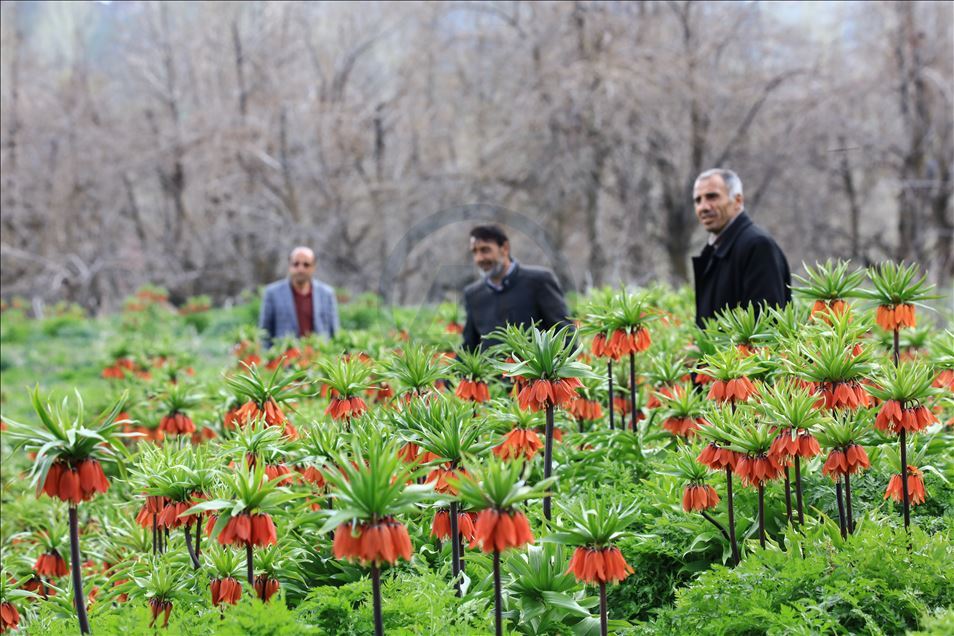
{"x":494,"y":272}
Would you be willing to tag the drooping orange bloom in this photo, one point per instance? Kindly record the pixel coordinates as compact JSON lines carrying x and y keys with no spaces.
{"x":9,"y":617}
{"x":831,"y":307}
{"x":602,"y":349}
{"x":245,"y":529}
{"x":916,"y":493}
{"x":439,"y":476}
{"x":346,"y":408}
{"x":177,"y":424}
{"x":699,"y":497}
{"x":537,"y":395}
{"x":382,"y":542}
{"x":150,"y":510}
{"x":623,"y":342}
{"x":231,"y":417}
{"x":599,"y":565}
{"x":666,"y":390}
{"x":75,"y":483}
{"x":266,"y":587}
{"x":893,"y":418}
{"x":312,"y":475}
{"x":683,"y":426}
{"x":380,"y":393}
{"x":159,"y":606}
{"x":622,"y":405}
{"x":846,"y":461}
{"x":891,"y":317}
{"x":803,"y":445}
{"x":945,"y":380}
{"x":226,"y":590}
{"x":520,"y":442}
{"x":169,"y":517}
{"x":846,"y":395}
{"x":51,"y":565}
{"x":466,"y":526}
{"x":583,"y":409}
{"x":734,"y":390}
{"x":114,"y":372}
{"x":716,"y":457}
{"x":472,"y":390}
{"x":273,"y":471}
{"x":755,"y":470}
{"x":498,"y":530}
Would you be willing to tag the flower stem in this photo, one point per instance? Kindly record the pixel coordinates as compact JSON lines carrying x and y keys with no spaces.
{"x":548,"y":459}
{"x":609,"y":376}
{"x":849,"y":518}
{"x":603,"y":613}
{"x":762,"y":515}
{"x":376,"y":597}
{"x":731,"y":507}
{"x":788,"y":496}
{"x":905,"y":496}
{"x":715,"y":522}
{"x":455,"y":547}
{"x":498,"y":601}
{"x":188,"y":540}
{"x":78,"y":597}
{"x":250,"y":563}
{"x":155,"y":535}
{"x":198,"y":539}
{"x":841,"y":510}
{"x":632,"y":387}
{"x":798,"y":490}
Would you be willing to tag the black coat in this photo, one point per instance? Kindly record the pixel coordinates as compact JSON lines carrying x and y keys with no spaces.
{"x":529,"y":295}
{"x":745,"y":266}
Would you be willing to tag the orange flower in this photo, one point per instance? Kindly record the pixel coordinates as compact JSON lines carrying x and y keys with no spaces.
{"x":667,"y":391}
{"x":75,"y":483}
{"x":312,"y":475}
{"x":601,"y":348}
{"x":169,"y":517}
{"x":734,"y":390}
{"x":599,"y":565}
{"x":849,"y":395}
{"x":50,"y":565}
{"x":265,"y":587}
{"x":466,"y":528}
{"x":683,"y":426}
{"x":279,"y":470}
{"x":537,"y":395}
{"x":756,"y":470}
{"x":9,"y":617}
{"x":891,"y":317}
{"x":826,"y":308}
{"x":916,"y":493}
{"x":715,"y":457}
{"x":150,"y":509}
{"x":802,"y":445}
{"x":226,"y":590}
{"x":621,"y":404}
{"x":893,"y":417}
{"x":623,"y":342}
{"x":176,"y":424}
{"x":346,"y":408}
{"x":382,"y":542}
{"x":439,"y":476}
{"x":500,"y":530}
{"x":945,"y":380}
{"x":699,"y":497}
{"x":471,"y":390}
{"x":519,"y":442}
{"x":245,"y":529}
{"x":158,"y":606}
{"x":846,"y":461}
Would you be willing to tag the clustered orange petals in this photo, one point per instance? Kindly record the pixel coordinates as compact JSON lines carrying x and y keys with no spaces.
{"x":169,"y":517}
{"x":916,"y":493}
{"x":75,"y":483}
{"x":758,"y":469}
{"x":599,"y":565}
{"x":266,"y":587}
{"x":273,"y":471}
{"x":622,"y":405}
{"x":623,"y":342}
{"x":836,"y":306}
{"x":537,"y":395}
{"x":583,"y":409}
{"x":382,"y":542}
{"x":381,"y":393}
{"x":802,"y":444}
{"x":439,"y":476}
{"x":9,"y":617}
{"x":716,"y":457}
{"x":312,"y":475}
{"x":846,"y":395}
{"x":498,"y":530}
{"x":894,"y":418}
{"x":683,"y":426}
{"x":226,"y":590}
{"x":699,"y":497}
{"x":51,"y":565}
{"x":734,"y":390}
{"x":845,"y":461}
{"x":891,"y":317}
{"x":520,"y":442}
{"x":176,"y":424}
{"x":472,"y":390}
{"x":150,"y":510}
{"x":346,"y":408}
{"x":466,"y":526}
{"x":945,"y":380}
{"x":245,"y":529}
{"x":270,"y":412}
{"x":668,"y":391}
{"x":158,"y":606}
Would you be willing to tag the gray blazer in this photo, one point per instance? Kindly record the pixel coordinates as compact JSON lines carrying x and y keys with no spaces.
{"x":278,"y":317}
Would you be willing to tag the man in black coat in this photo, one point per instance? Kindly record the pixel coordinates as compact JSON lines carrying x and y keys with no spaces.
{"x":508,"y":292}
{"x":741,"y":263}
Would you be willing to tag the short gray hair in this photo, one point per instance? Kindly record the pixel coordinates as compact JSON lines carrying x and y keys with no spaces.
{"x":731,"y":180}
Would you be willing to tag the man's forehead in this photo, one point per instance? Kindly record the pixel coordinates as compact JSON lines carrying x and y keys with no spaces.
{"x":476,"y":242}
{"x":302,"y":251}
{"x":709,"y":184}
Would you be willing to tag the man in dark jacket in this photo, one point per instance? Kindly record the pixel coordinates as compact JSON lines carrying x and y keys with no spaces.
{"x":741,"y":263}
{"x":508,"y":292}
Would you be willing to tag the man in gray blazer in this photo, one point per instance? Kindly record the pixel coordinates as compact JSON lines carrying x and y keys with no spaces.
{"x":300,"y":304}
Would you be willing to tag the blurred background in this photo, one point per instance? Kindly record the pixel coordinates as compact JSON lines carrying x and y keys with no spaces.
{"x":191,"y":144}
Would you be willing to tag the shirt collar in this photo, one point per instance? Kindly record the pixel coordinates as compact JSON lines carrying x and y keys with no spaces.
{"x":505,"y":280}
